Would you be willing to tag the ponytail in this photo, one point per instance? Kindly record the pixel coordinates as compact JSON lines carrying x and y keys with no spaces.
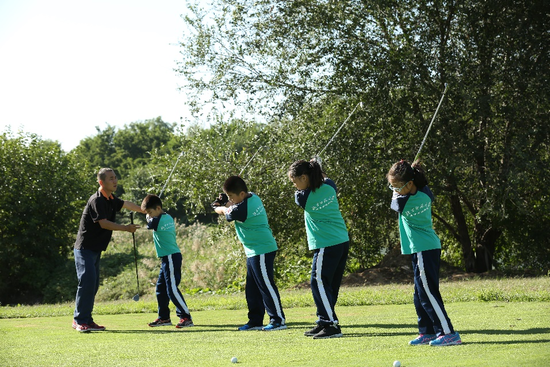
{"x":312,"y":169}
{"x":420,"y":179}
{"x":403,"y":171}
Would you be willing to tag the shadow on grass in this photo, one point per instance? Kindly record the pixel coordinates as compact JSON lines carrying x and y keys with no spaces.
{"x":510,"y":331}
{"x":374,"y":333}
{"x":509,"y":342}
{"x":203,"y":328}
{"x":198,"y":328}
{"x":519,"y":333}
{"x":302,"y":326}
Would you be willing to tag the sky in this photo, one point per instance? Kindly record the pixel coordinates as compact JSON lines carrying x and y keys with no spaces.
{"x":67,"y":66}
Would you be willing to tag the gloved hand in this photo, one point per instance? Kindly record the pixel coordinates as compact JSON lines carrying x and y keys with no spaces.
{"x":220,"y":201}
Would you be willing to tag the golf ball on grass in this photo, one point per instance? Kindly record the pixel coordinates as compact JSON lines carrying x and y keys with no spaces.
{"x":234,"y":360}
{"x":396,"y":364}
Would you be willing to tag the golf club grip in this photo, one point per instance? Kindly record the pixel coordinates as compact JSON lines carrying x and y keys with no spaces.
{"x":133,"y":234}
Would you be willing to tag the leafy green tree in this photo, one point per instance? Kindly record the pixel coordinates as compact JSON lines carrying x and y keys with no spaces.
{"x":98,"y":150}
{"x":306,"y":63}
{"x":492,"y":175}
{"x":128,"y":147}
{"x":205,"y":158}
{"x":45,"y":191}
{"x":128,"y":151}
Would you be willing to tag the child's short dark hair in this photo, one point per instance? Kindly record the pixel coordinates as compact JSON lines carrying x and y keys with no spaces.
{"x":310,"y":168}
{"x":403,"y":171}
{"x":235,"y":185}
{"x":151,"y":202}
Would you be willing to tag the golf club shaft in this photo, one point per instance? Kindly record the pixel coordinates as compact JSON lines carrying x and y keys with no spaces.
{"x":250,"y":160}
{"x":170,"y":175}
{"x":337,"y":131}
{"x":430,"y":126}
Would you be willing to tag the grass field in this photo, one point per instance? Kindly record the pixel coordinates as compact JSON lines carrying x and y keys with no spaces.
{"x":502,"y":323}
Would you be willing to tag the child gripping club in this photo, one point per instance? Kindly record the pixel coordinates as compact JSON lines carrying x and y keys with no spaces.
{"x":247,"y":211}
{"x":164,"y":237}
{"x":412,"y":199}
{"x":327,"y":237}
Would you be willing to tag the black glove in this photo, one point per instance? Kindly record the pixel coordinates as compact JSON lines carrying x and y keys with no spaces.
{"x":220,"y":201}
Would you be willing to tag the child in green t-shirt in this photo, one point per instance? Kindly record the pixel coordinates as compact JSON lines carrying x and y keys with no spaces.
{"x":253,"y":231}
{"x":164,"y":237}
{"x":412,"y":199}
{"x":327,"y":237}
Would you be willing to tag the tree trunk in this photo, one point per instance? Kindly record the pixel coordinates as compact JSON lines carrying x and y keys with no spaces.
{"x":462,"y":231}
{"x":486,"y":239}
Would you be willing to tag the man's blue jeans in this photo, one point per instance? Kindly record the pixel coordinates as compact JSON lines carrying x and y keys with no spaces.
{"x":87,"y":272}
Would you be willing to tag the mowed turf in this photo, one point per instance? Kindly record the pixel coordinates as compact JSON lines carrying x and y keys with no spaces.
{"x":493,"y":334}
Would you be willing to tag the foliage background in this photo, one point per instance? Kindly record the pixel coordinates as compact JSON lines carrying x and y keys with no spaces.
{"x":296,"y":70}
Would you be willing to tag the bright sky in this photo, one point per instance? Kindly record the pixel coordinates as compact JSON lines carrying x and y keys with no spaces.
{"x":67,"y":66}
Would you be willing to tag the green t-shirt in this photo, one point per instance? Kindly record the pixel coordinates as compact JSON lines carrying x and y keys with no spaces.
{"x":164,"y":234}
{"x":415,"y":221}
{"x":325,"y":225}
{"x":252,"y":226}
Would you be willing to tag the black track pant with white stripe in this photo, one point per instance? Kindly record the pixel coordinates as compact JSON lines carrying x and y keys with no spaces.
{"x":432,"y":317}
{"x":261,"y":292}
{"x":327,"y":271}
{"x":167,"y":287}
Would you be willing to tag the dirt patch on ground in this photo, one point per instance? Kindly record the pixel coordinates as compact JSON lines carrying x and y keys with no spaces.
{"x":397,"y":269}
{"x":380,"y":275}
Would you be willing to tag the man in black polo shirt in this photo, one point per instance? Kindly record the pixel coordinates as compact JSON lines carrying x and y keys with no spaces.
{"x":96,"y":227}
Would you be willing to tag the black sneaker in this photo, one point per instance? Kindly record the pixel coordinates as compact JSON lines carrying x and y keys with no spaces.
{"x":316,"y":330}
{"x":332,"y":331}
{"x":185,"y":322}
{"x":160,"y":322}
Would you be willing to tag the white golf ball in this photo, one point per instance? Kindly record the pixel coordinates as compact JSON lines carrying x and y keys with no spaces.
{"x":234,"y":360}
{"x":396,"y":364}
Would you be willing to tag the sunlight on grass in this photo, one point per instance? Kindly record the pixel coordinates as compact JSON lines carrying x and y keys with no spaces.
{"x":493,"y":333}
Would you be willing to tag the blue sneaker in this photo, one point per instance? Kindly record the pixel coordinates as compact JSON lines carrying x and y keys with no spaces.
{"x":448,"y":339}
{"x":423,"y":339}
{"x":274,"y":326}
{"x":248,"y":327}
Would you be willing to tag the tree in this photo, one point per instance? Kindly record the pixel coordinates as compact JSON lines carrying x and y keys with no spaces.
{"x":297,"y":59}
{"x":45,"y":190}
{"x":126,"y":148}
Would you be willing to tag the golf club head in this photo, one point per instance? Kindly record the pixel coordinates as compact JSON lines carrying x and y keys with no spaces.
{"x":136,"y":297}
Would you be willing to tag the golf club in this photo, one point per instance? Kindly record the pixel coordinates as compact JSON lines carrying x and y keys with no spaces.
{"x":337,"y":131}
{"x":136,"y":297}
{"x":170,"y":175}
{"x":317,"y":157}
{"x":222,"y":199}
{"x":430,"y":126}
{"x":250,"y":160}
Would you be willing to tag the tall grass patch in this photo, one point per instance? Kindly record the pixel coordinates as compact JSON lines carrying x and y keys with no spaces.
{"x":212,"y":260}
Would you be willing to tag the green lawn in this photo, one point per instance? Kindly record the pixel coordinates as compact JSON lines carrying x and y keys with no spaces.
{"x":502,"y":322}
{"x":494,"y":334}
